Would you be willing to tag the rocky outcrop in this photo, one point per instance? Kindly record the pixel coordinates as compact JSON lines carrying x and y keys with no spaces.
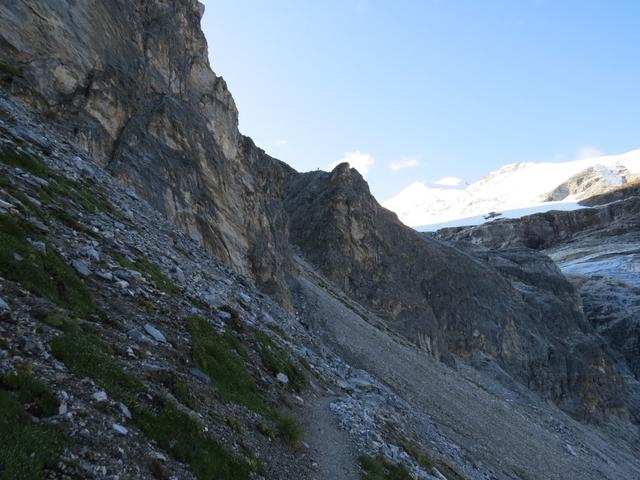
{"x":597,"y":249}
{"x":543,"y":230}
{"x":589,"y":182}
{"x":631,"y":189}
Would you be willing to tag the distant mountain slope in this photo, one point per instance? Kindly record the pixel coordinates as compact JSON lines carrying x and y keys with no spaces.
{"x":597,"y":249}
{"x":516,"y":186}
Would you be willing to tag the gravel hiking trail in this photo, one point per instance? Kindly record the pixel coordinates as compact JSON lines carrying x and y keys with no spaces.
{"x":330,"y":447}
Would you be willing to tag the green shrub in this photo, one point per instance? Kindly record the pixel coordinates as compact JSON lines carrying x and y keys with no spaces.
{"x":47,"y":275}
{"x":182,"y":436}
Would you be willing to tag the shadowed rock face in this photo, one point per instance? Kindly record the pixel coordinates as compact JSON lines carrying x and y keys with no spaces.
{"x":129,"y":82}
{"x":599,"y":250}
{"x":515,"y":306}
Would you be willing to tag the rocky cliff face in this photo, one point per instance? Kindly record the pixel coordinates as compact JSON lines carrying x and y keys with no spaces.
{"x":543,"y":230}
{"x":516,"y":307}
{"x":130,"y":83}
{"x":589,"y":182}
{"x":137,"y":94}
{"x":631,"y":189}
{"x":597,"y":248}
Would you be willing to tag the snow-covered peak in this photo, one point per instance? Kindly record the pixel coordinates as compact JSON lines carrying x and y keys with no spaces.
{"x":514,"y":187}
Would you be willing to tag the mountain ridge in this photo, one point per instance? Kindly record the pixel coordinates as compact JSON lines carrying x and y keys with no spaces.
{"x":137,"y":98}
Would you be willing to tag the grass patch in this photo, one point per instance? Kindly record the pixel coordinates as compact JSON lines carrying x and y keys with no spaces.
{"x":32,"y":394}
{"x":418,"y":455}
{"x":448,"y":472}
{"x":234,"y":321}
{"x":233,"y":423}
{"x":278,"y":330}
{"x":9,"y":71}
{"x":276,"y":360}
{"x":145,"y":266}
{"x":89,"y":198}
{"x":222,"y":357}
{"x":289,"y":430}
{"x":7,"y":116}
{"x":379,"y":468}
{"x":264,"y":429}
{"x":196,"y":302}
{"x":429,"y":465}
{"x":46,"y":275}
{"x":28,"y":448}
{"x":182,"y":436}
{"x":88,"y":356}
{"x":61,"y":322}
{"x":180,"y":390}
{"x":24,"y":161}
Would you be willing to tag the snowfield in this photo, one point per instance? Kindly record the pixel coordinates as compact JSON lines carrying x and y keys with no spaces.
{"x":514,"y":190}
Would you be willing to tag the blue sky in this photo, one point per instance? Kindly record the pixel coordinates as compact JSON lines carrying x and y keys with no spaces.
{"x":432,"y":88}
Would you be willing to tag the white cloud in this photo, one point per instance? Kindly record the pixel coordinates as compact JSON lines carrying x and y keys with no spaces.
{"x":589,"y":151}
{"x":280,"y":142}
{"x":404,"y":163}
{"x":449,"y":181}
{"x":356,"y":159}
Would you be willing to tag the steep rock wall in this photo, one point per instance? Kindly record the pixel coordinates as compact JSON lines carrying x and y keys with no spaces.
{"x":130,"y":82}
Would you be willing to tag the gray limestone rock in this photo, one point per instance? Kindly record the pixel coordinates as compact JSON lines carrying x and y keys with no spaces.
{"x":155,"y":333}
{"x":81,"y":267}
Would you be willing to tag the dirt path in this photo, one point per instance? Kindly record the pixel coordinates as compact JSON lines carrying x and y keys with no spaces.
{"x":330,"y":447}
